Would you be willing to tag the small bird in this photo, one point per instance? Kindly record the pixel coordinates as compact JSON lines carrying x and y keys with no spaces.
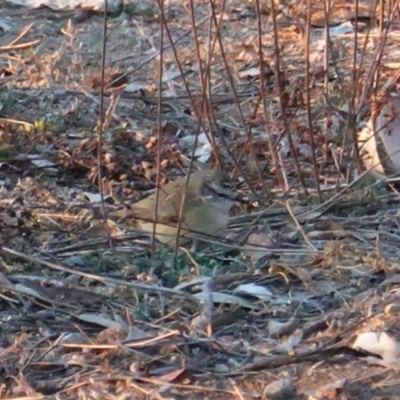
{"x":207,"y":200}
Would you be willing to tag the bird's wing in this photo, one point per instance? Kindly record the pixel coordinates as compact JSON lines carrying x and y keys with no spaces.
{"x":170,"y":197}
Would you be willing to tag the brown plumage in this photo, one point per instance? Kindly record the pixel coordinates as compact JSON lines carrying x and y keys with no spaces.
{"x":205,"y":211}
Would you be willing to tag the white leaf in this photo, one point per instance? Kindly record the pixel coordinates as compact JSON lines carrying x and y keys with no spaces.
{"x":276,"y":328}
{"x":203,"y":146}
{"x":191,"y":139}
{"x":251,"y":72}
{"x":203,"y":153}
{"x":225,"y":298}
{"x":68,"y":4}
{"x":369,"y":149}
{"x":388,"y":126}
{"x":342,"y":29}
{"x":99,"y":320}
{"x":380,"y":344}
{"x":318,"y":34}
{"x":5,"y":26}
{"x":38,"y":161}
{"x":170,"y":75}
{"x":255,"y":290}
{"x":95,"y":197}
{"x":134,"y":87}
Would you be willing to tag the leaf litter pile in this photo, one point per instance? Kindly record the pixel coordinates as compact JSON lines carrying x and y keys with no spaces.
{"x":300,"y":299}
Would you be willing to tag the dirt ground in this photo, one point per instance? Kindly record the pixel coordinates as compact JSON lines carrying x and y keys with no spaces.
{"x":89,"y":311}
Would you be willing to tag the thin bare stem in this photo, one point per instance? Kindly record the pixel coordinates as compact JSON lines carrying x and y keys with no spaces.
{"x":101,"y":112}
{"x":308,"y":103}
{"x":282,"y":96}
{"x":235,"y":96}
{"x":159,"y":126}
